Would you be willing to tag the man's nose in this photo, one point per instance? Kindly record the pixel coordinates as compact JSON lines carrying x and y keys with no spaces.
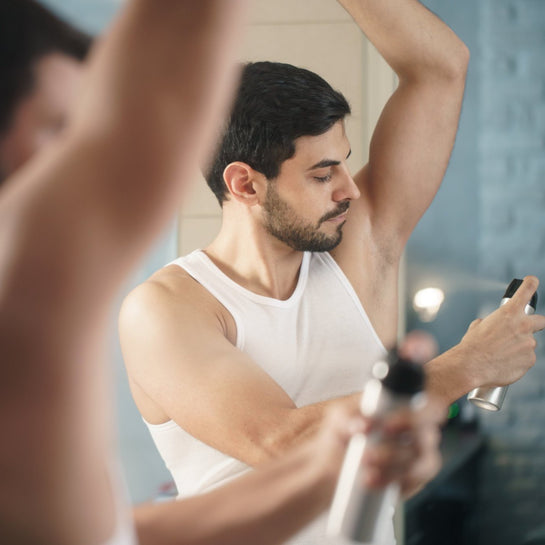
{"x":347,"y":188}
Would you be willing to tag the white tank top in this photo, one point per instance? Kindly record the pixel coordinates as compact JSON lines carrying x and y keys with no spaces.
{"x":317,"y":345}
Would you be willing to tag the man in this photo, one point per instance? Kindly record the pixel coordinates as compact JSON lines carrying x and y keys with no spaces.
{"x":95,"y":197}
{"x":40,"y":61}
{"x":297,"y":295}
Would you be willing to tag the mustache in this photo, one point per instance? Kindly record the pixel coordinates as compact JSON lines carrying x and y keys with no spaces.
{"x":341,"y":209}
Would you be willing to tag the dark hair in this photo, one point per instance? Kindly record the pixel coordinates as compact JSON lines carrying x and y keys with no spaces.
{"x":276,"y":104}
{"x":28,"y":32}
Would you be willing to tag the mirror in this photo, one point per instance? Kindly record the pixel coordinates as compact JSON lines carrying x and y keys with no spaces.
{"x":485,"y":227}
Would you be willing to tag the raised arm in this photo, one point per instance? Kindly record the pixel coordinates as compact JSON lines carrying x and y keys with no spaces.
{"x":409,"y":153}
{"x":151,"y":108}
{"x":73,"y":222}
{"x":414,"y":136}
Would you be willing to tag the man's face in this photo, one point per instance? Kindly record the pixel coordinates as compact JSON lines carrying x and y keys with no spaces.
{"x":41,"y":114}
{"x":306,"y":205}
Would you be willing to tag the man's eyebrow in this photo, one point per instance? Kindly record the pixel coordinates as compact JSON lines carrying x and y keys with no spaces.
{"x":324,"y":163}
{"x":328,"y":162}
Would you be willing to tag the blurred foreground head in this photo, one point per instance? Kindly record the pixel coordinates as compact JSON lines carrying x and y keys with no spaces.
{"x":41,"y":60}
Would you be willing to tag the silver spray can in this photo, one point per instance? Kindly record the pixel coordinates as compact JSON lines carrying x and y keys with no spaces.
{"x":363,"y":515}
{"x":491,"y":399}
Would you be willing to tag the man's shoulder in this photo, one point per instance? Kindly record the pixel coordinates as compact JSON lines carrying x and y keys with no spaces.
{"x":170,"y":293}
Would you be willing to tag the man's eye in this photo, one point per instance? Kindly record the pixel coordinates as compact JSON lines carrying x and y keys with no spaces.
{"x":325,"y":178}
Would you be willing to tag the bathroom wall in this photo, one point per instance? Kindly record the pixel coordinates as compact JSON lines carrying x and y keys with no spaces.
{"x":512,"y":243}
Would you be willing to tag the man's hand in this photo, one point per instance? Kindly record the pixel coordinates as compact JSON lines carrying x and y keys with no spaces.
{"x":501,"y":347}
{"x":409,"y":453}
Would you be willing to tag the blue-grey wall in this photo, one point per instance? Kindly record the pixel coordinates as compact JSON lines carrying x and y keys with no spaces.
{"x":90,"y":15}
{"x":144,"y":470}
{"x":488,"y":225}
{"x":443,"y":250}
{"x":512,"y":243}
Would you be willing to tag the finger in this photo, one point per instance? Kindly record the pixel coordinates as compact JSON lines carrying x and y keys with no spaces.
{"x":344,"y":422}
{"x":401,"y":421}
{"x":373,"y":478}
{"x":422,"y":474}
{"x":387,"y":463}
{"x":426,"y":466}
{"x":435,"y":412}
{"x":525,"y":292}
{"x":474,"y":323}
{"x":538,"y":322}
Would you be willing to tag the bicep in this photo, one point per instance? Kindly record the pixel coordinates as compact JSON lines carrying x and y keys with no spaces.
{"x":408,"y":157}
{"x":211,"y":389}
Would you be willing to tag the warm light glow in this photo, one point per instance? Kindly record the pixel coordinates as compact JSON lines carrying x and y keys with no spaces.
{"x":427,"y":303}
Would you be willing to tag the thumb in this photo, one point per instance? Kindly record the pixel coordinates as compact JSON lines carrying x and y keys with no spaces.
{"x":474,"y":323}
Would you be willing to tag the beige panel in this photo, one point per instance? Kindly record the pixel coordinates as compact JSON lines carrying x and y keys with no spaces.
{"x":200,"y":199}
{"x":382,"y":82}
{"x":197,"y":232}
{"x":336,"y":51}
{"x":296,"y":11}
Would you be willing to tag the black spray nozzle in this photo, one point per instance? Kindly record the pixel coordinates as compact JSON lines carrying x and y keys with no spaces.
{"x":513,"y":287}
{"x":402,"y":376}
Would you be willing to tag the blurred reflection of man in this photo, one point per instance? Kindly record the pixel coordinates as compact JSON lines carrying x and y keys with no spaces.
{"x":40,"y":69}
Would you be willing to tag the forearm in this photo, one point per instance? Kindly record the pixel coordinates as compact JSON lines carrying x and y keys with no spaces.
{"x":450,"y":376}
{"x":295,"y":426}
{"x":411,"y":39}
{"x":266,"y":506}
{"x":271,"y":504}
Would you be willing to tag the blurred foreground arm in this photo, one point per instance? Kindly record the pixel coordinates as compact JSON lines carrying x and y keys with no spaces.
{"x":269,"y":505}
{"x":73,"y":222}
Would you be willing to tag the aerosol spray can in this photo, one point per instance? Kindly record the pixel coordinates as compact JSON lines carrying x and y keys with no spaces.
{"x":491,"y":399}
{"x":363,"y":515}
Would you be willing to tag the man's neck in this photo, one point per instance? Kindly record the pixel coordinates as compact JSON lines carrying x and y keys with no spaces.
{"x":257,"y":261}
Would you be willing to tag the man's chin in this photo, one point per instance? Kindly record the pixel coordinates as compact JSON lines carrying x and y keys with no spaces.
{"x":325,"y":245}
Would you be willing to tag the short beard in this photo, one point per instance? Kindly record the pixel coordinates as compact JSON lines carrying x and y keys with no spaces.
{"x":282,"y":222}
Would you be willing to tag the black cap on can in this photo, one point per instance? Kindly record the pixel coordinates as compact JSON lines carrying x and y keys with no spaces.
{"x":402,"y":376}
{"x":513,"y":287}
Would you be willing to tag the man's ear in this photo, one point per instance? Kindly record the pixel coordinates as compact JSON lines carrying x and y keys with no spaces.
{"x":243,"y":182}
